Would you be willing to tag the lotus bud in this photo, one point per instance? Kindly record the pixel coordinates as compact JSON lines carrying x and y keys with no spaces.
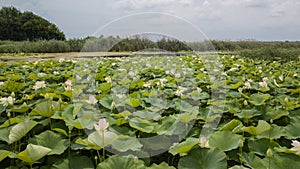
{"x":241,"y":143}
{"x":269,"y":152}
{"x":286,"y":99}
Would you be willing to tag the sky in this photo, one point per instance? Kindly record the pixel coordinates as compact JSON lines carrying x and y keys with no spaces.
{"x":266,"y":20}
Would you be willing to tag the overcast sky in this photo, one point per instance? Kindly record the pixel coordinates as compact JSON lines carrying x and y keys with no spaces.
{"x":217,"y":19}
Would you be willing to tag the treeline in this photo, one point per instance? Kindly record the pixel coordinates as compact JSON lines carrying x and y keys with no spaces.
{"x":19,"y":26}
{"x":92,"y":44}
{"x":253,"y":49}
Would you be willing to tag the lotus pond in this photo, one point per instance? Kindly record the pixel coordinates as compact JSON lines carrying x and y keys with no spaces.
{"x":186,"y":112}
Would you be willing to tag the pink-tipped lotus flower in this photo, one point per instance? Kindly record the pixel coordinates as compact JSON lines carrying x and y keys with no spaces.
{"x":92,"y":100}
{"x":296,"y":147}
{"x":102,"y":125}
{"x":68,"y":83}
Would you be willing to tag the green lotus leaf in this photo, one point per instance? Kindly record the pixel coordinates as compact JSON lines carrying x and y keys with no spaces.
{"x":106,"y":102}
{"x":12,"y":121}
{"x":248,"y":114}
{"x":82,"y":162}
{"x":203,"y":159}
{"x":142,"y":125}
{"x":276,"y":161}
{"x":102,"y":139}
{"x":236,"y":85}
{"x":232,"y":140}
{"x":45,"y":109}
{"x":234,"y":126}
{"x":20,"y":130}
{"x":147,"y":115}
{"x":260,"y":146}
{"x":259,"y":99}
{"x":292,"y":129}
{"x":50,"y":140}
{"x":162,"y":165}
{"x":121,"y":162}
{"x":184,"y":147}
{"x":261,"y":127}
{"x":238,"y":167}
{"x":4,"y":154}
{"x":125,"y":144}
{"x":33,"y":153}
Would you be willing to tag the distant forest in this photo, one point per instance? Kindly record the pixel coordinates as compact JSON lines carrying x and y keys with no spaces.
{"x":17,"y":26}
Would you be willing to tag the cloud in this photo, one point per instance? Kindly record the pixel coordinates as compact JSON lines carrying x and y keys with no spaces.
{"x":256,"y":3}
{"x":149,"y":4}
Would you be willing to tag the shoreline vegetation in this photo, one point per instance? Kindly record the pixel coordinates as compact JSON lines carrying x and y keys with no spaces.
{"x":254,"y":49}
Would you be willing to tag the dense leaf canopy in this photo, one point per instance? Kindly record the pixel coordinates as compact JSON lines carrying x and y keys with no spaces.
{"x":16,"y":25}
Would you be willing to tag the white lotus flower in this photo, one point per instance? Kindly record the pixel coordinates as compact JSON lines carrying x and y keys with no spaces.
{"x":1,"y":83}
{"x":92,"y":100}
{"x":68,"y":88}
{"x":102,"y":125}
{"x":233,"y":69}
{"x":56,"y":73}
{"x":108,"y":79}
{"x":265,"y":79}
{"x":177,"y":75}
{"x":280,"y":78}
{"x":41,"y":74}
{"x":147,"y":85}
{"x":296,"y":147}
{"x":180,"y":90}
{"x":61,"y":60}
{"x":39,"y":85}
{"x":131,"y":73}
{"x":161,"y":82}
{"x":5,"y":101}
{"x":247,"y":85}
{"x":263,"y":84}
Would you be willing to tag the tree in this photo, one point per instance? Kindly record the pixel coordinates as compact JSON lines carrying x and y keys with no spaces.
{"x":18,"y":26}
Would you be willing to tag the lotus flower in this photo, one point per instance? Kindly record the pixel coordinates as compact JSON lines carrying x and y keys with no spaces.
{"x":1,"y":83}
{"x":296,"y":147}
{"x":147,"y":85}
{"x":92,"y":100}
{"x":180,"y":90}
{"x":263,"y":84}
{"x":7,"y":101}
{"x":102,"y":125}
{"x":247,"y":85}
{"x":68,"y":88}
{"x":108,"y":79}
{"x":68,"y":83}
{"x":38,"y":85}
{"x":204,"y":142}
